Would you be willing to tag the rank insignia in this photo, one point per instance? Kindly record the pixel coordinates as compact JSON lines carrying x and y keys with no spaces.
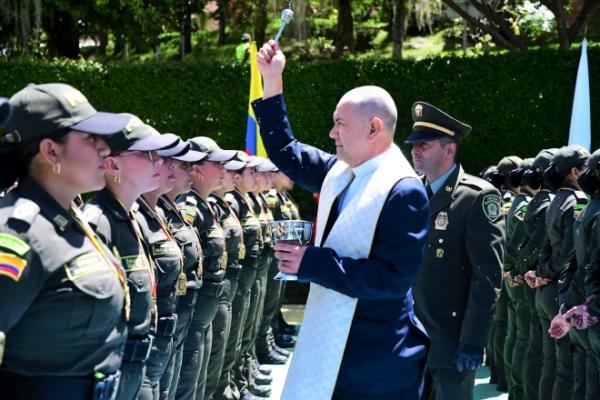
{"x":439,"y":253}
{"x":441,"y":221}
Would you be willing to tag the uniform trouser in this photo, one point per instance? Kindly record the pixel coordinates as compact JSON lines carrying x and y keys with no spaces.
{"x":185,"y":312}
{"x":157,"y":363}
{"x":594,"y":339}
{"x":499,"y":335}
{"x":557,"y":370}
{"x":515,"y":345}
{"x":21,"y":387}
{"x":220,"y":332}
{"x":196,"y":349}
{"x":242,"y":371}
{"x":584,"y":356}
{"x":239,"y":310}
{"x":449,"y":384}
{"x":532,"y":364}
{"x":262,"y":276}
{"x":132,"y":376}
{"x":272,"y":302}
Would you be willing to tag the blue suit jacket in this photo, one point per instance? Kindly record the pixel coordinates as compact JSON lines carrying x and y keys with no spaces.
{"x":387,"y":346}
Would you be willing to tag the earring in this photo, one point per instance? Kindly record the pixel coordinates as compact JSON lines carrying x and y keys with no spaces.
{"x":117,"y":179}
{"x":56,"y":168}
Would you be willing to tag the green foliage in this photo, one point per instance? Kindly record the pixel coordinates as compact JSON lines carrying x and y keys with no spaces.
{"x":516,"y":103}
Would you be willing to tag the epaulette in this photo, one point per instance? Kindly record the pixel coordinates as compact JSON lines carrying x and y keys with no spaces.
{"x":191,"y":201}
{"x":212,"y":200}
{"x":581,"y":197}
{"x":229,"y":198}
{"x":476,"y":183}
{"x":23,"y":214}
{"x":92,"y":214}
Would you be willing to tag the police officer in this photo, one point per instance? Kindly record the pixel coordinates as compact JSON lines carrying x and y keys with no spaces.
{"x":189,"y":242}
{"x":217,"y":381}
{"x":557,"y":379}
{"x":63,"y":293}
{"x":131,"y":169}
{"x":170,"y":278}
{"x":463,"y":257}
{"x":527,"y":262}
{"x":197,"y":209}
{"x":572,"y":293}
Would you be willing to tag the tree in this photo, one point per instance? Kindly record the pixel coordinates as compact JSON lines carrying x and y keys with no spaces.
{"x":494,"y":18}
{"x":345,"y":27}
{"x":568,"y":32}
{"x":399,"y":18}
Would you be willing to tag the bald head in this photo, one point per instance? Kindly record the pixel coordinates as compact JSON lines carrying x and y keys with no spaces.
{"x":373,"y":101}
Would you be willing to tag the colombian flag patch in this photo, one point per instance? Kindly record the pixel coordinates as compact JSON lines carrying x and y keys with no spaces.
{"x":12,"y":266}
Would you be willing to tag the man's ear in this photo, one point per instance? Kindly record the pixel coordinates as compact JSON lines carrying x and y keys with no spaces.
{"x":375,"y":127}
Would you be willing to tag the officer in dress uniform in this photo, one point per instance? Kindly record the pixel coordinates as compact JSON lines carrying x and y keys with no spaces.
{"x":518,"y":312}
{"x":527,"y":262}
{"x":197,"y":210}
{"x":463,"y":256}
{"x":131,"y":169}
{"x":189,"y":242}
{"x":63,"y":295}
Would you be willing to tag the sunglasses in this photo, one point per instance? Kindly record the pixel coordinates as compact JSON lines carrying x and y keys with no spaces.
{"x":151,"y":155}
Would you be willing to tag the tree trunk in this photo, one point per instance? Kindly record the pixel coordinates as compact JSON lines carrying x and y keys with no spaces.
{"x":299,"y":30}
{"x":63,"y":34}
{"x":186,"y":31}
{"x":400,"y":16}
{"x":345,"y":28}
{"x":261,"y":22}
{"x":222,"y":15}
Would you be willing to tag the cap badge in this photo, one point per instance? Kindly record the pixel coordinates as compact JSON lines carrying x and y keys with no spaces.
{"x":418,"y":110}
{"x":133,"y":123}
{"x":75,"y":97}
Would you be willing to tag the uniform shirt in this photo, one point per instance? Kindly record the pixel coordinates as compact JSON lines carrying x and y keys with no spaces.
{"x":439,"y":182}
{"x":515,"y":229}
{"x":114,"y":227}
{"x":250,"y":225}
{"x":535,"y":232}
{"x":62,"y":302}
{"x":200,"y":214}
{"x":232,"y":229}
{"x":188,"y":240}
{"x":592,"y":264}
{"x":165,"y":255}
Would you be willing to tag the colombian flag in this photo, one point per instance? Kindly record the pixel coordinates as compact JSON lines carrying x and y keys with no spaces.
{"x":11,"y":266}
{"x":254,"y":145}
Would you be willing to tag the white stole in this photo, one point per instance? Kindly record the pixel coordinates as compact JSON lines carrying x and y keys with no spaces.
{"x":328,"y":316}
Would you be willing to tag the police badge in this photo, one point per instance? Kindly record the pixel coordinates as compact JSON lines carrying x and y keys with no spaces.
{"x":491,"y":206}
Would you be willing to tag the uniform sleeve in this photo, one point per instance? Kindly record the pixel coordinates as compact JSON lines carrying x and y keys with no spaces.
{"x":485,"y":240}
{"x":592,"y":278}
{"x":395,"y":257}
{"x":304,"y":164}
{"x":22,"y":276}
{"x":560,"y":255}
{"x":532,"y":248}
{"x":567,"y":291}
{"x":516,"y":240}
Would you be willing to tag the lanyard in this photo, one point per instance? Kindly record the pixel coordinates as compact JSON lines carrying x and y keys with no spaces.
{"x":78,"y":217}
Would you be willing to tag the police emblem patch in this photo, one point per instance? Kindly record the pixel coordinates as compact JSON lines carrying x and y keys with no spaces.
{"x":491,"y":206}
{"x":441,"y":221}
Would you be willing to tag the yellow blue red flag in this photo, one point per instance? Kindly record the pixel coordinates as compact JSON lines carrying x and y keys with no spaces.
{"x":254,"y":145}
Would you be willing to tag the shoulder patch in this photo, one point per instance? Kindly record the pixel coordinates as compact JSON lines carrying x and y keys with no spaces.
{"x":491,"y":206}
{"x":12,"y":266}
{"x":14,"y":244}
{"x":191,"y":201}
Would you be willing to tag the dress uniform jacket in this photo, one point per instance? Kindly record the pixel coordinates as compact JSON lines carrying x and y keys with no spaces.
{"x":387,"y":346}
{"x":535,"y":226}
{"x":62,"y":302}
{"x":592,"y":264}
{"x":460,"y":275}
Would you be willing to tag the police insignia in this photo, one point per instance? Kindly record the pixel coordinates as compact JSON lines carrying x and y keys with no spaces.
{"x":13,"y":243}
{"x":12,"y":266}
{"x":491,"y":206}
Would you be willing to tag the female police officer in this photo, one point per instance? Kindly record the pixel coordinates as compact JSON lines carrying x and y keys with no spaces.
{"x":62,"y":293}
{"x":132,"y":169}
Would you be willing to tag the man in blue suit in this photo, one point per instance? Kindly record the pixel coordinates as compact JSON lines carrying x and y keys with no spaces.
{"x":387,"y":346}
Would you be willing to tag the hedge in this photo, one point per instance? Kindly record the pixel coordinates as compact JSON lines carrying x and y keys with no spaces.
{"x":516,"y":103}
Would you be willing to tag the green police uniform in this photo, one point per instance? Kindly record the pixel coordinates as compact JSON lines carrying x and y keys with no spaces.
{"x":196,"y":350}
{"x":119,"y":231}
{"x":218,"y":381}
{"x":462,"y":261}
{"x":63,"y":300}
{"x":241,"y":302}
{"x":168,"y":259}
{"x":557,"y":371}
{"x":189,"y":243}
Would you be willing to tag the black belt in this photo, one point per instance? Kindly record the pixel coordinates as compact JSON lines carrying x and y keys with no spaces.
{"x":167,"y":325}
{"x":21,"y":387}
{"x":211,"y":288}
{"x":138,"y":349}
